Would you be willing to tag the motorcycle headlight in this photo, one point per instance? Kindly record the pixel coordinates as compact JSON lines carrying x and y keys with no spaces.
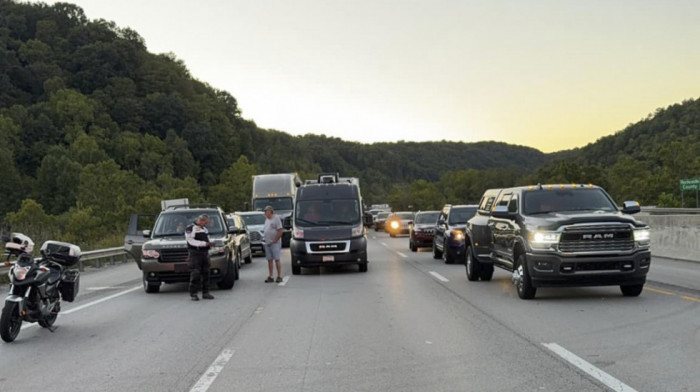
{"x":149,"y":254}
{"x":642,"y":236}
{"x":544,"y":239}
{"x":21,"y":273}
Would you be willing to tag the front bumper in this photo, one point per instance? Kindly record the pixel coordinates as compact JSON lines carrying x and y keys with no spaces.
{"x":422,"y":240}
{"x":303,"y":254}
{"x":174,"y":272}
{"x":551,"y":270}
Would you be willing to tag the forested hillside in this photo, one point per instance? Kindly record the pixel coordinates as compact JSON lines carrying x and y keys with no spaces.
{"x":93,"y":127}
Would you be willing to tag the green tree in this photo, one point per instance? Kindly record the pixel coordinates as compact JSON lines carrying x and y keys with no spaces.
{"x":233,"y":192}
{"x":58,"y":179}
{"x":32,"y":220}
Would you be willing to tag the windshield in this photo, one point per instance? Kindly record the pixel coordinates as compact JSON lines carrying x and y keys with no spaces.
{"x":324,"y":212}
{"x":382,"y":215}
{"x":174,"y":223}
{"x":427,"y":217}
{"x":548,"y":200}
{"x":404,"y":215}
{"x":254,"y":219}
{"x":461,"y":215}
{"x":278,"y":203}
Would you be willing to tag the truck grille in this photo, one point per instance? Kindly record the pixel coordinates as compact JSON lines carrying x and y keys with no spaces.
{"x":596,"y":238}
{"x":328,"y":247}
{"x":255,"y":236}
{"x":173,"y":255}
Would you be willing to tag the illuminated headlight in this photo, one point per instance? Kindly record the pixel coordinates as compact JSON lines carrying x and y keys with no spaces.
{"x":642,"y":236}
{"x":358,"y":230}
{"x":21,"y":272}
{"x":298,"y":233}
{"x":394,"y":225}
{"x":458,"y":235}
{"x":149,"y":254}
{"x":544,"y":239}
{"x":217,"y":250}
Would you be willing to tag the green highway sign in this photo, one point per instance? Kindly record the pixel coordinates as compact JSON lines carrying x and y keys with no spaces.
{"x":690,"y":184}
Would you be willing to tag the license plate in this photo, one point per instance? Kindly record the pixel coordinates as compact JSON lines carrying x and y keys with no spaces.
{"x":328,"y":258}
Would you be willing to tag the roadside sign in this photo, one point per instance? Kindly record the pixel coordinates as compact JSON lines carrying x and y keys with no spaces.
{"x":690,"y":184}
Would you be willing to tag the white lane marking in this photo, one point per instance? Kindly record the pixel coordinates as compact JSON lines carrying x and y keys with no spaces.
{"x":210,"y":374}
{"x":104,"y":288}
{"x":384,"y":244}
{"x":87,"y":305}
{"x":605,"y":378}
{"x":107,"y":298}
{"x":402,"y":255}
{"x":439,"y":277}
{"x":284,"y":281}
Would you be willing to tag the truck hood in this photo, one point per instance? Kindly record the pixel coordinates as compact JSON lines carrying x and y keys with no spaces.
{"x":327,"y":233}
{"x":554,"y":220}
{"x":424,"y":225}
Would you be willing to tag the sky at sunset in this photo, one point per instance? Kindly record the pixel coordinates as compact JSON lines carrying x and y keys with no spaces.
{"x":552,"y":75}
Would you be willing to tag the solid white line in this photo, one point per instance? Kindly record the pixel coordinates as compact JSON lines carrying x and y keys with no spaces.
{"x":284,"y":281}
{"x":439,"y":277}
{"x":210,"y":374}
{"x":605,"y":378}
{"x":107,"y":298}
{"x":402,"y":255}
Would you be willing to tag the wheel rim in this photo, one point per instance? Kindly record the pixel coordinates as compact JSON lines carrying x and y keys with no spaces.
{"x":519,"y":278}
{"x":469,"y":263}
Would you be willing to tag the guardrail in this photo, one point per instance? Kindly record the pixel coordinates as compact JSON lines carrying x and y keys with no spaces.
{"x":92,"y":258}
{"x":670,"y":211}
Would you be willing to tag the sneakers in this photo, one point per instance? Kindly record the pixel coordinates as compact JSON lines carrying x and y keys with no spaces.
{"x":194,"y":297}
{"x":279,"y":279}
{"x":207,"y":296}
{"x":269,"y":279}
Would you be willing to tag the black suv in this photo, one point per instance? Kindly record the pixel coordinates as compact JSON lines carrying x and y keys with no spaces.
{"x":161,"y":253}
{"x":448,"y":241}
{"x":558,"y":235}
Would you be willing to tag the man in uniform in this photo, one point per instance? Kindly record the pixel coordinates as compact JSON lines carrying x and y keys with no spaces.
{"x":198,"y":246}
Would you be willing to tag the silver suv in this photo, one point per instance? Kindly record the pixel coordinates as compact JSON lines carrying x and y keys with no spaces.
{"x":161,"y":253}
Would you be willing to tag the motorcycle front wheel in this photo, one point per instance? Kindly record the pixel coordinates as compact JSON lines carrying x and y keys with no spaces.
{"x":10,"y":322}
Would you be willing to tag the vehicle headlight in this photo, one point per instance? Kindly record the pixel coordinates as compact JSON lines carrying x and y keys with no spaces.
{"x":298,"y":233}
{"x":358,"y":230}
{"x":544,"y":239}
{"x":217,"y":250}
{"x":642,"y":236}
{"x":149,"y":254}
{"x":458,"y":235}
{"x":394,"y":225}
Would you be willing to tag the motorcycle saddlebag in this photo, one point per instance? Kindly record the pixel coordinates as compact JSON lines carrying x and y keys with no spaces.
{"x":70,"y":282}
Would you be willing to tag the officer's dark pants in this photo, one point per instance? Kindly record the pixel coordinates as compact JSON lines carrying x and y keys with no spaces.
{"x":199,"y":271}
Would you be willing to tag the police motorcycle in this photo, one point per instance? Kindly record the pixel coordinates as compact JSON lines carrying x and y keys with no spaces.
{"x":37,"y":287}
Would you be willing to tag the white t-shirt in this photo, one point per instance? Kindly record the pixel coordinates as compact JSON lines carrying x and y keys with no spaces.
{"x":272,"y":225}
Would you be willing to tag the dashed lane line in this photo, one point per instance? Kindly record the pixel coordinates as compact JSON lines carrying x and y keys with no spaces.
{"x":212,"y":373}
{"x":610,"y":381}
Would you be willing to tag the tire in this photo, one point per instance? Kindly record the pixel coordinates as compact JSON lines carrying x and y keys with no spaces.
{"x":10,"y":322}
{"x":412,"y":247}
{"x":296,"y":269}
{"x":632,"y":290}
{"x":150,"y":287}
{"x":521,"y":278}
{"x":230,"y":278}
{"x":446,"y":255}
{"x":237,"y":268}
{"x":472,"y":266}
{"x":486,"y":272}
{"x":363,"y":267}
{"x":249,"y":259}
{"x":392,"y":235}
{"x":436,"y":253}
{"x":48,"y":321}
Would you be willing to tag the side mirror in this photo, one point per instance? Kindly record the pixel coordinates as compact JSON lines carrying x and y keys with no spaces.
{"x":502,"y":212}
{"x":146,"y":233}
{"x":367,"y":219}
{"x":630,"y":207}
{"x":287,"y":223}
{"x":233,"y":230}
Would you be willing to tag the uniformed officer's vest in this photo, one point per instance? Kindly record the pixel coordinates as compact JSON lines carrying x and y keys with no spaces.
{"x":200,"y":234}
